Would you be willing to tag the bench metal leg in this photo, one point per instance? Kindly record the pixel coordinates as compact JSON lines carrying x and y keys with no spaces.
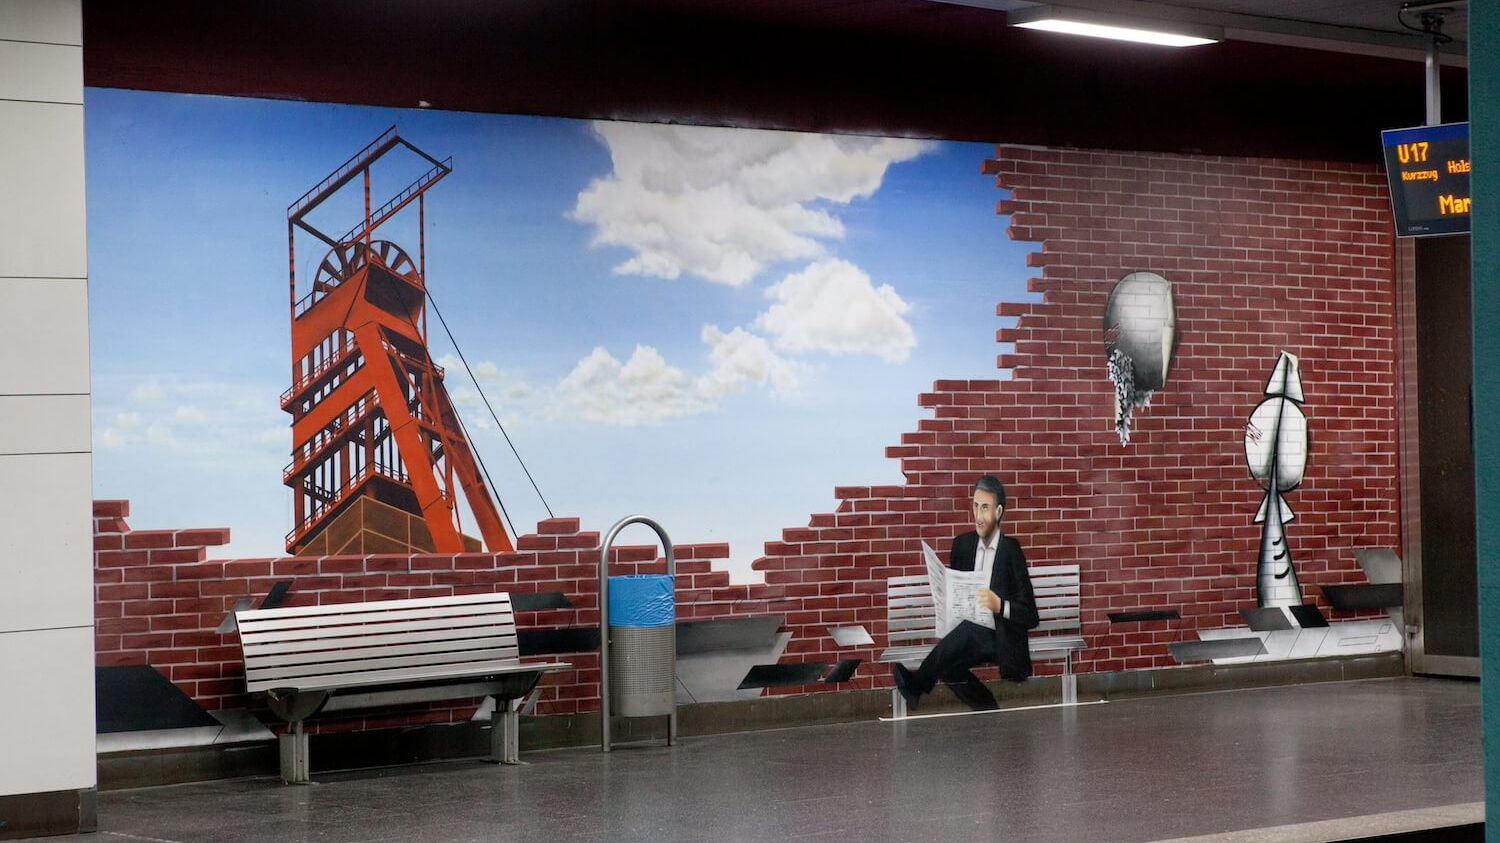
{"x":1069,"y":681}
{"x":505,"y":733}
{"x":898,"y":705}
{"x":294,"y":765}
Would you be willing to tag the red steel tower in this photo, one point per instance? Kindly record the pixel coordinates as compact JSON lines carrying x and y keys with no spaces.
{"x":371,"y":419}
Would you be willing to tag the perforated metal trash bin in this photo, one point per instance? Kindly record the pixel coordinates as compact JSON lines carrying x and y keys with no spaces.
{"x":642,"y":646}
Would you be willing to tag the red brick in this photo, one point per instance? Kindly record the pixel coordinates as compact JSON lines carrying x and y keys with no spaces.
{"x":148,"y":539}
{"x":119,"y":626}
{"x":187,"y":669}
{"x":199,"y":605}
{"x":585,"y":541}
{"x":194,"y":538}
{"x":293,"y":566}
{"x":248,"y":568}
{"x":387,"y":563}
{"x":147,"y":608}
{"x":147,"y":641}
{"x":168,"y":590}
{"x":111,"y":509}
{"x":177,"y":623}
{"x":134,"y":591}
{"x":558,"y":526}
{"x":224,"y":588}
{"x":482,"y":561}
{"x":219,"y":654}
{"x":532,"y":543}
{"x":178,"y":556}
{"x":633,"y":553}
{"x":121,"y":558}
{"x":363,"y":581}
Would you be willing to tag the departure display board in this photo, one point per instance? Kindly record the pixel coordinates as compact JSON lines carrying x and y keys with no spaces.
{"x":1428,"y":168}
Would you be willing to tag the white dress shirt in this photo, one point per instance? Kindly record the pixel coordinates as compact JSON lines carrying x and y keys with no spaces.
{"x":984,"y":560}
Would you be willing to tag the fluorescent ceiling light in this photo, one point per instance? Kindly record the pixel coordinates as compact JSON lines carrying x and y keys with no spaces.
{"x":1072,"y":21}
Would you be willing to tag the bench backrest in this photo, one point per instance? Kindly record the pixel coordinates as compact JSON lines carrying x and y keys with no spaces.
{"x":385,"y":641}
{"x":911,"y":618}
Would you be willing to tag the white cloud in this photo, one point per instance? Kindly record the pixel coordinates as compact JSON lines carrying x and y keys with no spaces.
{"x":158,"y":433}
{"x":642,"y":390}
{"x":833,"y":306}
{"x":721,"y":204}
{"x":741,"y":359}
{"x":212,"y":423}
{"x":274,"y":436}
{"x":465,"y":397}
{"x":485,"y":371}
{"x":149,"y":392}
{"x":647,"y":390}
{"x":189,"y":415}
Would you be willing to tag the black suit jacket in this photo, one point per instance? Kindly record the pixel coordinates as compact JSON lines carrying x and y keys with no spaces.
{"x":1010,"y":581}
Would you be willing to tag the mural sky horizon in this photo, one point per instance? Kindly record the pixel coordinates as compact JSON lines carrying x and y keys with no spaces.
{"x":713,"y":327}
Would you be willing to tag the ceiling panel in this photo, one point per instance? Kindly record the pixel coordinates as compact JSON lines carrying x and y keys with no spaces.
{"x":1359,"y":14}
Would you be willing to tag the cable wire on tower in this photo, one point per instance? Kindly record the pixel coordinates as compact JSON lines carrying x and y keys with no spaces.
{"x":487,"y":406}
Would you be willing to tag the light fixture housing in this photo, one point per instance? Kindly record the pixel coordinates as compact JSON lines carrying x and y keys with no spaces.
{"x":1073,"y":21}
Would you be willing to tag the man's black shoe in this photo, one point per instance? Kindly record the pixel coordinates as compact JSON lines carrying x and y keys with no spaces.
{"x":903,"y":686}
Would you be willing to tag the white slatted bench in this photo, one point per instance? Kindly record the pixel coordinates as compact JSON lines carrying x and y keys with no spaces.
{"x":911,"y":624}
{"x":312,"y":659}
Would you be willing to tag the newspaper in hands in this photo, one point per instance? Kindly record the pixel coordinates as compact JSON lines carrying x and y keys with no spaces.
{"x":955,"y":594}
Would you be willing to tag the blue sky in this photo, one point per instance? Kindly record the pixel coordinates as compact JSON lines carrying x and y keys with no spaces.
{"x":712,"y":327}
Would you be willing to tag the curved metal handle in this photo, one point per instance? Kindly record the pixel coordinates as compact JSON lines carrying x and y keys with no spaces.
{"x":604,"y":548}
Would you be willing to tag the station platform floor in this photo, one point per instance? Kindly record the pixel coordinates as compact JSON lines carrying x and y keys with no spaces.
{"x":1317,"y":762}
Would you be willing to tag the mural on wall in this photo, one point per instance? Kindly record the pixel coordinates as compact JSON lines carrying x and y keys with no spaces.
{"x":716,"y":327}
{"x":1140,"y":334}
{"x":644,"y":313}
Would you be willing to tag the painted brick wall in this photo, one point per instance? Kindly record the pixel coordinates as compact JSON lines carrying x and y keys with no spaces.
{"x":1265,"y":256}
{"x":160,"y":600}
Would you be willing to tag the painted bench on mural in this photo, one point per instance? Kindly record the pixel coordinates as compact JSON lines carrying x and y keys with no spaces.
{"x":911,"y":617}
{"x":308,"y":660}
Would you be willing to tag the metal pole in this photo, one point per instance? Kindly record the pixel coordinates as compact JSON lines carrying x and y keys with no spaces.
{"x":1434,"y":80}
{"x":609,"y":540}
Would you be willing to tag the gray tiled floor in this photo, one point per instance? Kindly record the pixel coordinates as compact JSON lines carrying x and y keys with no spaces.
{"x":1133,"y":770}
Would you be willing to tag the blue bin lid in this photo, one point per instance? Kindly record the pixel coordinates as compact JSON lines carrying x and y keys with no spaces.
{"x":641,"y":601}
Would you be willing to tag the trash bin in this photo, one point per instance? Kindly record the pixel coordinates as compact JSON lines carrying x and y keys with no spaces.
{"x":642,"y":646}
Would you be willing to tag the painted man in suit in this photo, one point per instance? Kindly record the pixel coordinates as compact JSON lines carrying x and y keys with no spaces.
{"x":1009,"y":597}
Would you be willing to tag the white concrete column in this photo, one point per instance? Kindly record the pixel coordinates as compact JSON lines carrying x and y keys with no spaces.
{"x":46,"y":534}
